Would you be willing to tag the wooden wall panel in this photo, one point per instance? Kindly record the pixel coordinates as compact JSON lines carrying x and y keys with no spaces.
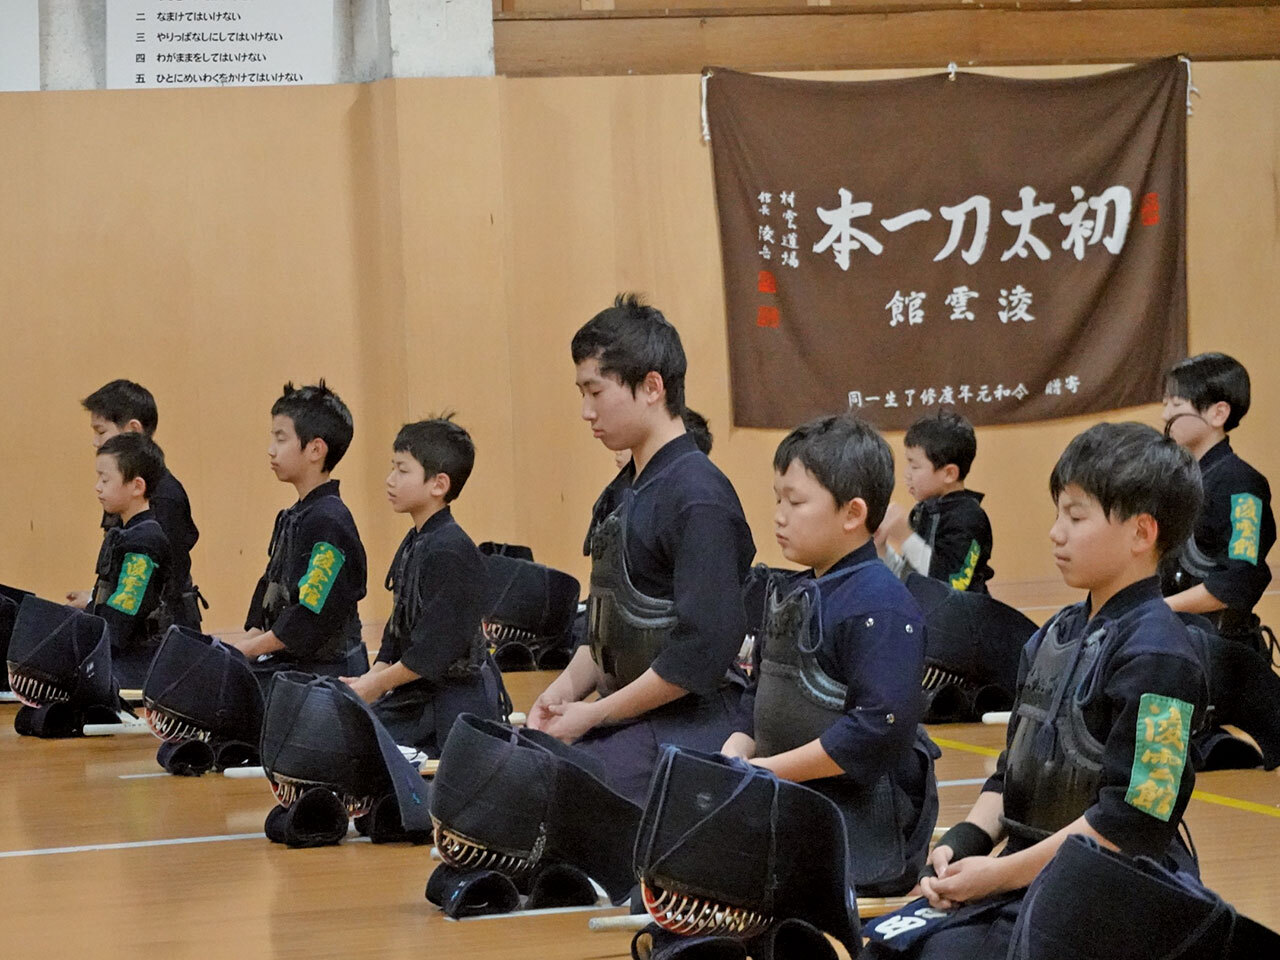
{"x":842,"y":40}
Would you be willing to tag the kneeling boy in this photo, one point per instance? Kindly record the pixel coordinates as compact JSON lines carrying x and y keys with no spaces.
{"x":1109,"y":690}
{"x":841,"y":654}
{"x":303,"y":615}
{"x":431,"y":666}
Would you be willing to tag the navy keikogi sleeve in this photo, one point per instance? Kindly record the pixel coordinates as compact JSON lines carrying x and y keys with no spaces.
{"x":1240,"y":512}
{"x":962,"y":532}
{"x":323,"y":606}
{"x":1130,"y":811}
{"x":712,"y":551}
{"x":883,"y":662}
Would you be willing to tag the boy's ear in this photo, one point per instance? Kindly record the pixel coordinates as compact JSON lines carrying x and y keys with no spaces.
{"x":138,"y":486}
{"x":951,"y":473}
{"x":853,"y":515}
{"x":133,"y":426}
{"x":653,"y":386}
{"x":438,"y":486}
{"x":1146,"y":531}
{"x":1218,"y":414}
{"x":316,"y":450}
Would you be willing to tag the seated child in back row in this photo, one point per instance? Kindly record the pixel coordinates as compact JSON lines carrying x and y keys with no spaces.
{"x":947,"y":535}
{"x":304,"y":614}
{"x":432,"y":665}
{"x":849,"y":628}
{"x":123,"y":406}
{"x":1222,"y":570}
{"x":1109,"y":691}
{"x":134,"y":564}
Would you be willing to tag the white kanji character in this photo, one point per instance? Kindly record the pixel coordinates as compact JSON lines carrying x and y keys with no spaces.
{"x":965,"y":392}
{"x":790,"y":217}
{"x":843,"y":237}
{"x":766,"y":253}
{"x":765,"y":233}
{"x":890,"y":399}
{"x":958,"y":300}
{"x":928,"y":396}
{"x":1020,"y":391}
{"x":894,"y":224}
{"x":875,"y":399}
{"x":789,"y":240}
{"x":1000,"y":393}
{"x":896,"y":307}
{"x":789,"y":258}
{"x":1082,"y":231}
{"x":1072,"y":383}
{"x":983,"y":396}
{"x":855,"y":399}
{"x":981,"y":208}
{"x":1022,"y":219}
{"x":1053,"y":388}
{"x":910,"y":396}
{"x":947,"y":395}
{"x":1015,"y":305}
{"x":787,"y":198}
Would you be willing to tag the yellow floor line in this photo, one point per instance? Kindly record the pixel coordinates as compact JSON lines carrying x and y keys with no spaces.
{"x":965,"y":747}
{"x":1235,"y":804}
{"x":1219,"y":799}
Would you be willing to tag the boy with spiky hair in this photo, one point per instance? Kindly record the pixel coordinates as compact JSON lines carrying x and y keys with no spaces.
{"x":1222,"y":570}
{"x":947,"y":535}
{"x":665,"y":614}
{"x":123,"y":406}
{"x":840,"y":656}
{"x":134,"y":564}
{"x":304,"y":614}
{"x":1110,"y":690}
{"x":432,"y":664}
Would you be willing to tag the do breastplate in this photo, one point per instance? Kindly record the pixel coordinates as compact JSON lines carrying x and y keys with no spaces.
{"x":1054,"y":765}
{"x":796,"y":699}
{"x":627,"y":629}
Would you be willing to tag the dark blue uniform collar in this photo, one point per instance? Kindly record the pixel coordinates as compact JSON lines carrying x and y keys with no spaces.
{"x":1219,"y":451}
{"x":666,"y":454}
{"x":1135,"y":594}
{"x":973,"y":495}
{"x":138,"y":518}
{"x":436,"y":521}
{"x":864,"y":553}
{"x":327,"y":489}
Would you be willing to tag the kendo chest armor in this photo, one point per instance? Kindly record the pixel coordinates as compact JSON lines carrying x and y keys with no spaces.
{"x":275,"y":592}
{"x":1053,"y":769}
{"x":796,"y":702}
{"x":404,"y":580}
{"x":110,"y":560}
{"x":627,"y":629}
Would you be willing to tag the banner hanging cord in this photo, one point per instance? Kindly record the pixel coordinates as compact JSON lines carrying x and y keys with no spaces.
{"x":706,"y":124}
{"x":1191,"y":87}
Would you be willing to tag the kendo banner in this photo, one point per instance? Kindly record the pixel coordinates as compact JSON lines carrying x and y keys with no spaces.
{"x":1013,"y":249}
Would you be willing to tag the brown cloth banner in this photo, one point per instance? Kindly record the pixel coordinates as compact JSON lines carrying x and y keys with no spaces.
{"x":1012,"y":249}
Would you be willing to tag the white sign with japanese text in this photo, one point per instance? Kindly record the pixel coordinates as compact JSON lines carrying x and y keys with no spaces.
{"x":19,"y":44}
{"x":154,"y":44}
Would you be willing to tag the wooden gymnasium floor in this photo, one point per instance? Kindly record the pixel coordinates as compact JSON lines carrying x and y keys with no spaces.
{"x":103,"y":856}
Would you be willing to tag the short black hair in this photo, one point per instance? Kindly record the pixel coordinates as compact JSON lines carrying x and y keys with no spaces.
{"x":441,"y":446}
{"x":847,"y":456}
{"x":630,"y":339}
{"x":137,"y":455}
{"x":1131,"y":469}
{"x":316,"y":411}
{"x":695,"y":424}
{"x":945,"y":437}
{"x":121,"y":401}
{"x":1210,"y":378}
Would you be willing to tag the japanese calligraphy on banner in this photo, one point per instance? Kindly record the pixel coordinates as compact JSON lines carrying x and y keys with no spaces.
{"x":1013,"y":249}
{"x":216,"y":43}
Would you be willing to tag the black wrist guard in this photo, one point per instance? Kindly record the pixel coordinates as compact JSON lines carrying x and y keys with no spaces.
{"x":965,"y":840}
